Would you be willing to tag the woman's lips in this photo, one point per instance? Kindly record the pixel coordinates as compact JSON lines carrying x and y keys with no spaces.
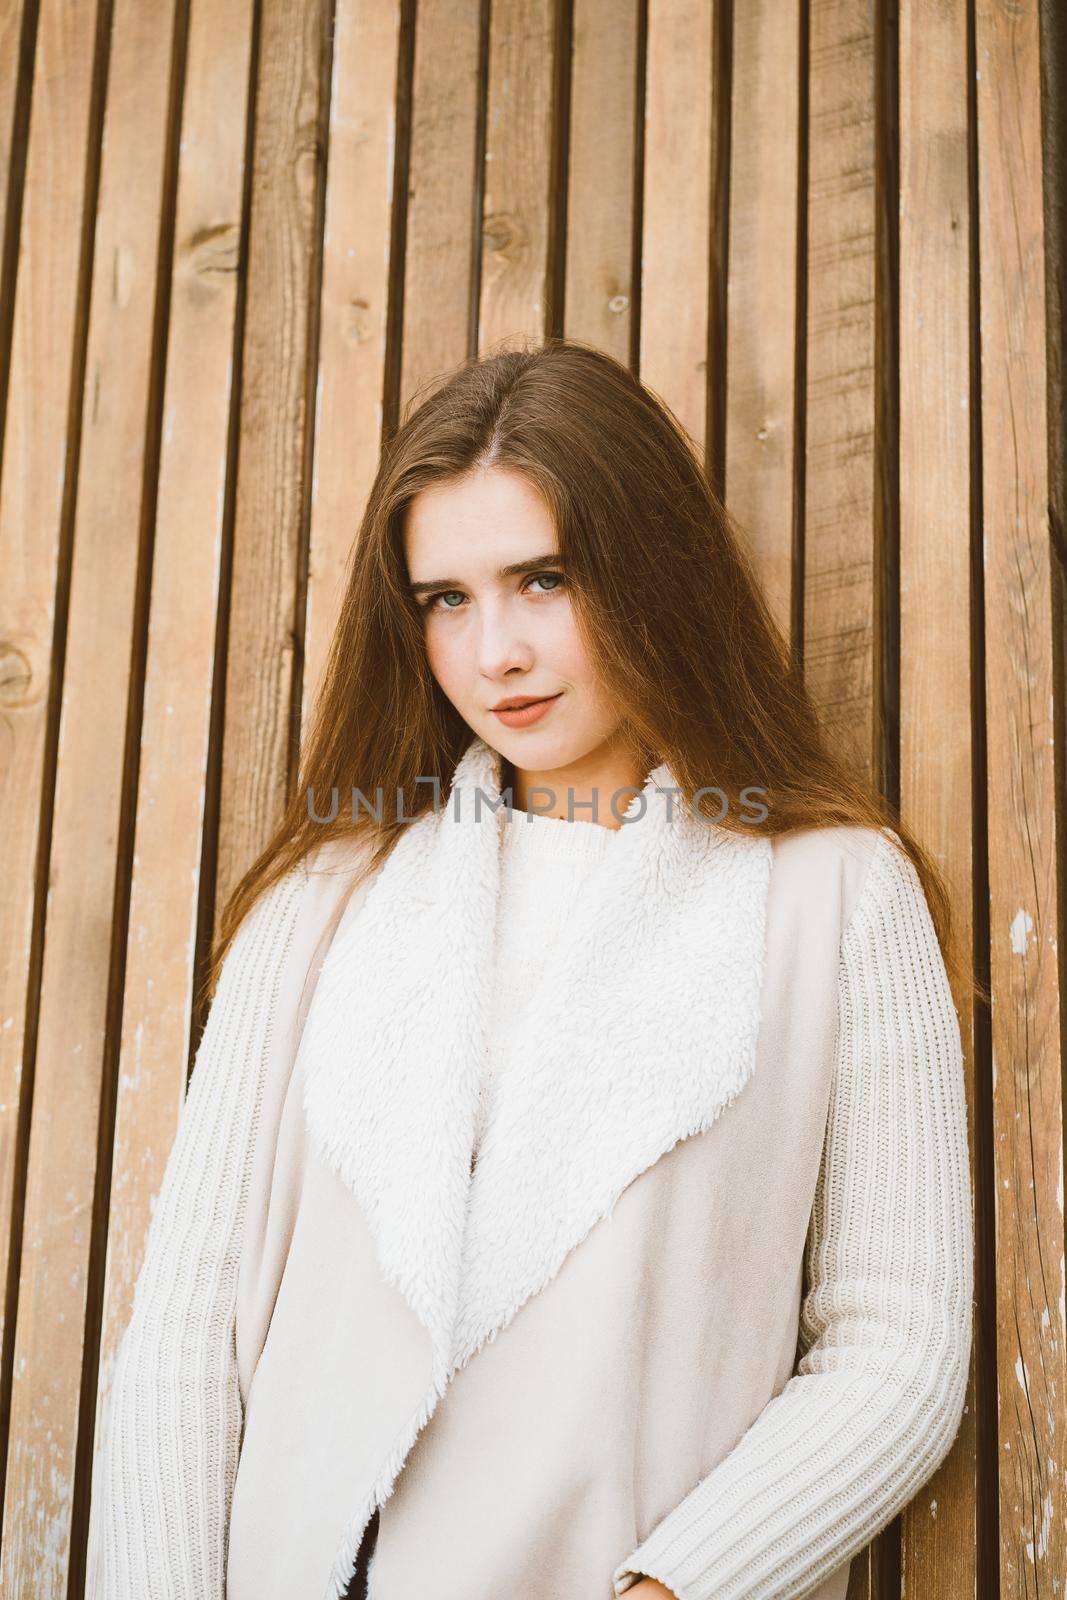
{"x":522,"y":716}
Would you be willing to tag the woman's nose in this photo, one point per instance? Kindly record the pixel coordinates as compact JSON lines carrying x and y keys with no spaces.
{"x":501,"y":643}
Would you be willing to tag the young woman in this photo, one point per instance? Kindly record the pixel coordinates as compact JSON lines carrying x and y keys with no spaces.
{"x":572,"y":1198}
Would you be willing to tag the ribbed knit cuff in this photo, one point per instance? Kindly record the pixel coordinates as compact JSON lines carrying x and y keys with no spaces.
{"x":672,"y":1555}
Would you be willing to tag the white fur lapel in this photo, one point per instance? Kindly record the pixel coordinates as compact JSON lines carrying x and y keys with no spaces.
{"x":642,"y":1030}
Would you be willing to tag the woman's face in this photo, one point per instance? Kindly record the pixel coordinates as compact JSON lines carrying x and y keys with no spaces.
{"x":494,"y":634}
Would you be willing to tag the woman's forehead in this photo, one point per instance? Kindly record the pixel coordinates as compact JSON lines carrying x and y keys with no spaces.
{"x":492,"y":511}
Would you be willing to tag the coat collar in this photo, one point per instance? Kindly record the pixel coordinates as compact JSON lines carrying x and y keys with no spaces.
{"x":643,"y":1028}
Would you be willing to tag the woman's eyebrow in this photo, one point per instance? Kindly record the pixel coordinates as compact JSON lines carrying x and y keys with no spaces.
{"x":515,"y":569}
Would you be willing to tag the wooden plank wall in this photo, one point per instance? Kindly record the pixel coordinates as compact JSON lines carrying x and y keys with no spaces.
{"x":238,"y":237}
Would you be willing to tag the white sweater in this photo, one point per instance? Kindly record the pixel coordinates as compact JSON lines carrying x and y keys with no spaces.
{"x":543,"y":864}
{"x":812,"y":1477}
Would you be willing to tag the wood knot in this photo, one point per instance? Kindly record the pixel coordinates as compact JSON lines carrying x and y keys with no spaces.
{"x":357,"y":324}
{"x":504,"y":235}
{"x":212,"y":250}
{"x":16,"y":675}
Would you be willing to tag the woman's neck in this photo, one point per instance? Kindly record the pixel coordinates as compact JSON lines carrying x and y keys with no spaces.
{"x":569,"y":792}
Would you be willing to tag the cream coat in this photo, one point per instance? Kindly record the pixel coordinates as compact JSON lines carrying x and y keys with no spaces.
{"x":592,"y":1356}
{"x":528,"y":1369}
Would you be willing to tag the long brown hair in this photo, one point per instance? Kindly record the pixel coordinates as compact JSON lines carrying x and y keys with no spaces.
{"x":664,"y":593}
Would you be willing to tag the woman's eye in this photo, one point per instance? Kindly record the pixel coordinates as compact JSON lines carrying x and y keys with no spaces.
{"x":432,"y":605}
{"x":554,"y":577}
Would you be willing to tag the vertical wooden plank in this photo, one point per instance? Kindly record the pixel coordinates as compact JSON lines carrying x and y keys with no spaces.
{"x":1019,"y":615}
{"x":442,"y":225}
{"x":839,"y":518}
{"x":33,"y":514}
{"x":12,"y":24}
{"x":517,"y":231}
{"x":939,"y":1530}
{"x":180,"y":663}
{"x":840,"y":651}
{"x":355,"y":305}
{"x":86,"y":848}
{"x":273,"y":450}
{"x":762,"y":288}
{"x":17,"y":39}
{"x":676,"y":214}
{"x":598,"y":299}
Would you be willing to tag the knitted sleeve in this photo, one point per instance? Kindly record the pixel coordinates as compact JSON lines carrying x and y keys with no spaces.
{"x":166,"y":1463}
{"x":877,"y":1397}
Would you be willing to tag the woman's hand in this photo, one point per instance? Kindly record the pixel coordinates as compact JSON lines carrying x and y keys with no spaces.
{"x":650,"y":1589}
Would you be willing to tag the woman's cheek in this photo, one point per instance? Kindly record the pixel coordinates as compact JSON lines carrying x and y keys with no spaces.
{"x":444,"y":659}
{"x":433,"y":654}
